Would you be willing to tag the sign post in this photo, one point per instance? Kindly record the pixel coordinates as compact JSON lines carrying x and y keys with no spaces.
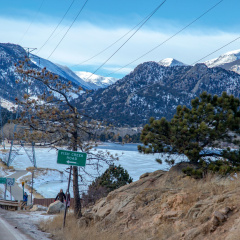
{"x":10,"y":182}
{"x":23,"y":188}
{"x":32,"y":187}
{"x":3,"y":181}
{"x":5,"y":193}
{"x":73,"y":159}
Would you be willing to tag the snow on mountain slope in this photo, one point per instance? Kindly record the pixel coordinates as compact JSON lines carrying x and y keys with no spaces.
{"x":62,"y":71}
{"x":97,"y":80}
{"x":228,"y":61}
{"x":170,"y":62}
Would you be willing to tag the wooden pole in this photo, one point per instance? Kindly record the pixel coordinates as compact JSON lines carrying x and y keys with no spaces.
{"x":65,"y":212}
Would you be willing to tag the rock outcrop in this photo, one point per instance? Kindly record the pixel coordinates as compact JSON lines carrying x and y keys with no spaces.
{"x":55,"y":207}
{"x":169,"y":205}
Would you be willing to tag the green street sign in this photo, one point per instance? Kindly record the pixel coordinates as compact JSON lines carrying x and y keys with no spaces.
{"x":2,"y":180}
{"x":72,"y":158}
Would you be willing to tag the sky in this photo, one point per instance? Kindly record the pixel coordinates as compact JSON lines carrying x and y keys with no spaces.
{"x":30,"y":23}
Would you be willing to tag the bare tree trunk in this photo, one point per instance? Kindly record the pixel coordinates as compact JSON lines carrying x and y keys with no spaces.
{"x":77,"y":202}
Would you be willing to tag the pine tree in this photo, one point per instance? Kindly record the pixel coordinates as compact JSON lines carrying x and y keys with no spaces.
{"x":198,"y":133}
{"x":114,"y":177}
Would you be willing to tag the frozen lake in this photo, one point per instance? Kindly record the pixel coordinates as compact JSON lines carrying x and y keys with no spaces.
{"x":135,"y":163}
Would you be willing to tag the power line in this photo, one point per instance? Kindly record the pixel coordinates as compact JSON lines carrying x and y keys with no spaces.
{"x":31,"y":22}
{"x":167,"y":38}
{"x":68,"y":29}
{"x":128,"y":39}
{"x":56,"y":27}
{"x":150,"y":85}
{"x":216,"y":50}
{"x":112,"y":43}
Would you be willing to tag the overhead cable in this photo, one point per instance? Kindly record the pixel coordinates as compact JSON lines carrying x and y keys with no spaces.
{"x":31,"y":23}
{"x":150,"y":85}
{"x":127,"y":39}
{"x":105,"y":49}
{"x":153,"y":49}
{"x":68,"y":29}
{"x":56,"y":27}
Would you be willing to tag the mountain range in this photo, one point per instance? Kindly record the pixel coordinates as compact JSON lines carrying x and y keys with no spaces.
{"x":151,"y":89}
{"x":156,"y":90}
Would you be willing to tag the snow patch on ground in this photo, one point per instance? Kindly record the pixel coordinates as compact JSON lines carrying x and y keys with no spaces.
{"x":27,"y":222}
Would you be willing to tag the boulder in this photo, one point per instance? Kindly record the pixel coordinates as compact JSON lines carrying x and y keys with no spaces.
{"x":55,"y":207}
{"x":38,"y":208}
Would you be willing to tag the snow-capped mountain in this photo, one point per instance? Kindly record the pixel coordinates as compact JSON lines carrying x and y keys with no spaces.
{"x":152,"y":90}
{"x":10,"y":90}
{"x":228,"y":61}
{"x":170,"y":62}
{"x":60,"y":70}
{"x":78,"y":77}
{"x":96,"y":81}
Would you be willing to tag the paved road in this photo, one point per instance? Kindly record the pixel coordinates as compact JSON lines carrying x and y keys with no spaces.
{"x":17,"y":191}
{"x":9,"y":232}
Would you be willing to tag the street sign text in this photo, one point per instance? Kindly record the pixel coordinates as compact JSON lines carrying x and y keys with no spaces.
{"x":71,"y":158}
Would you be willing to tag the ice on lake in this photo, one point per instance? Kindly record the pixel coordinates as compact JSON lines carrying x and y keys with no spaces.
{"x":129,"y":158}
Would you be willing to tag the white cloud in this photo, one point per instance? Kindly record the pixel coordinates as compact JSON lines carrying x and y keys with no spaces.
{"x":85,"y":40}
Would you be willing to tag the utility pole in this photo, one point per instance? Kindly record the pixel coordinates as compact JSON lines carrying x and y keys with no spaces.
{"x":29,"y":50}
{"x":33,"y":157}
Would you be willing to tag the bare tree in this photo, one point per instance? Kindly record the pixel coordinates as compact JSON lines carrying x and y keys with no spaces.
{"x":52,"y":120}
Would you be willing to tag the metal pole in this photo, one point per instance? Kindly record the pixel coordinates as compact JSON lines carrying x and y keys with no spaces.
{"x":23,"y":191}
{"x":65,"y":212}
{"x":5,"y":193}
{"x":32,"y":187}
{"x":11,"y":192}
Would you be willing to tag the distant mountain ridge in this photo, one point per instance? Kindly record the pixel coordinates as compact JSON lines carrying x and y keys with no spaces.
{"x":96,"y":81}
{"x":155,"y":90}
{"x":229,"y":61}
{"x":60,"y":70}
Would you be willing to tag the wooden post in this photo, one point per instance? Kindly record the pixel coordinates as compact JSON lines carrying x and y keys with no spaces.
{"x":65,"y":212}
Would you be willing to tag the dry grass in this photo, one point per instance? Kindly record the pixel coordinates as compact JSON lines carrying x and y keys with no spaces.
{"x":181,"y":196}
{"x":72,"y":231}
{"x":4,"y":166}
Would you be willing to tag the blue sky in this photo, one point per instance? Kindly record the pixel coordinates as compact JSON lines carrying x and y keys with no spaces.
{"x":103,"y":22}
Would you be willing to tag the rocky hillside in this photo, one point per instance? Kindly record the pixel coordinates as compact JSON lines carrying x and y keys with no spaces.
{"x":167,"y":206}
{"x":155,"y":90}
{"x":9,"y":89}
